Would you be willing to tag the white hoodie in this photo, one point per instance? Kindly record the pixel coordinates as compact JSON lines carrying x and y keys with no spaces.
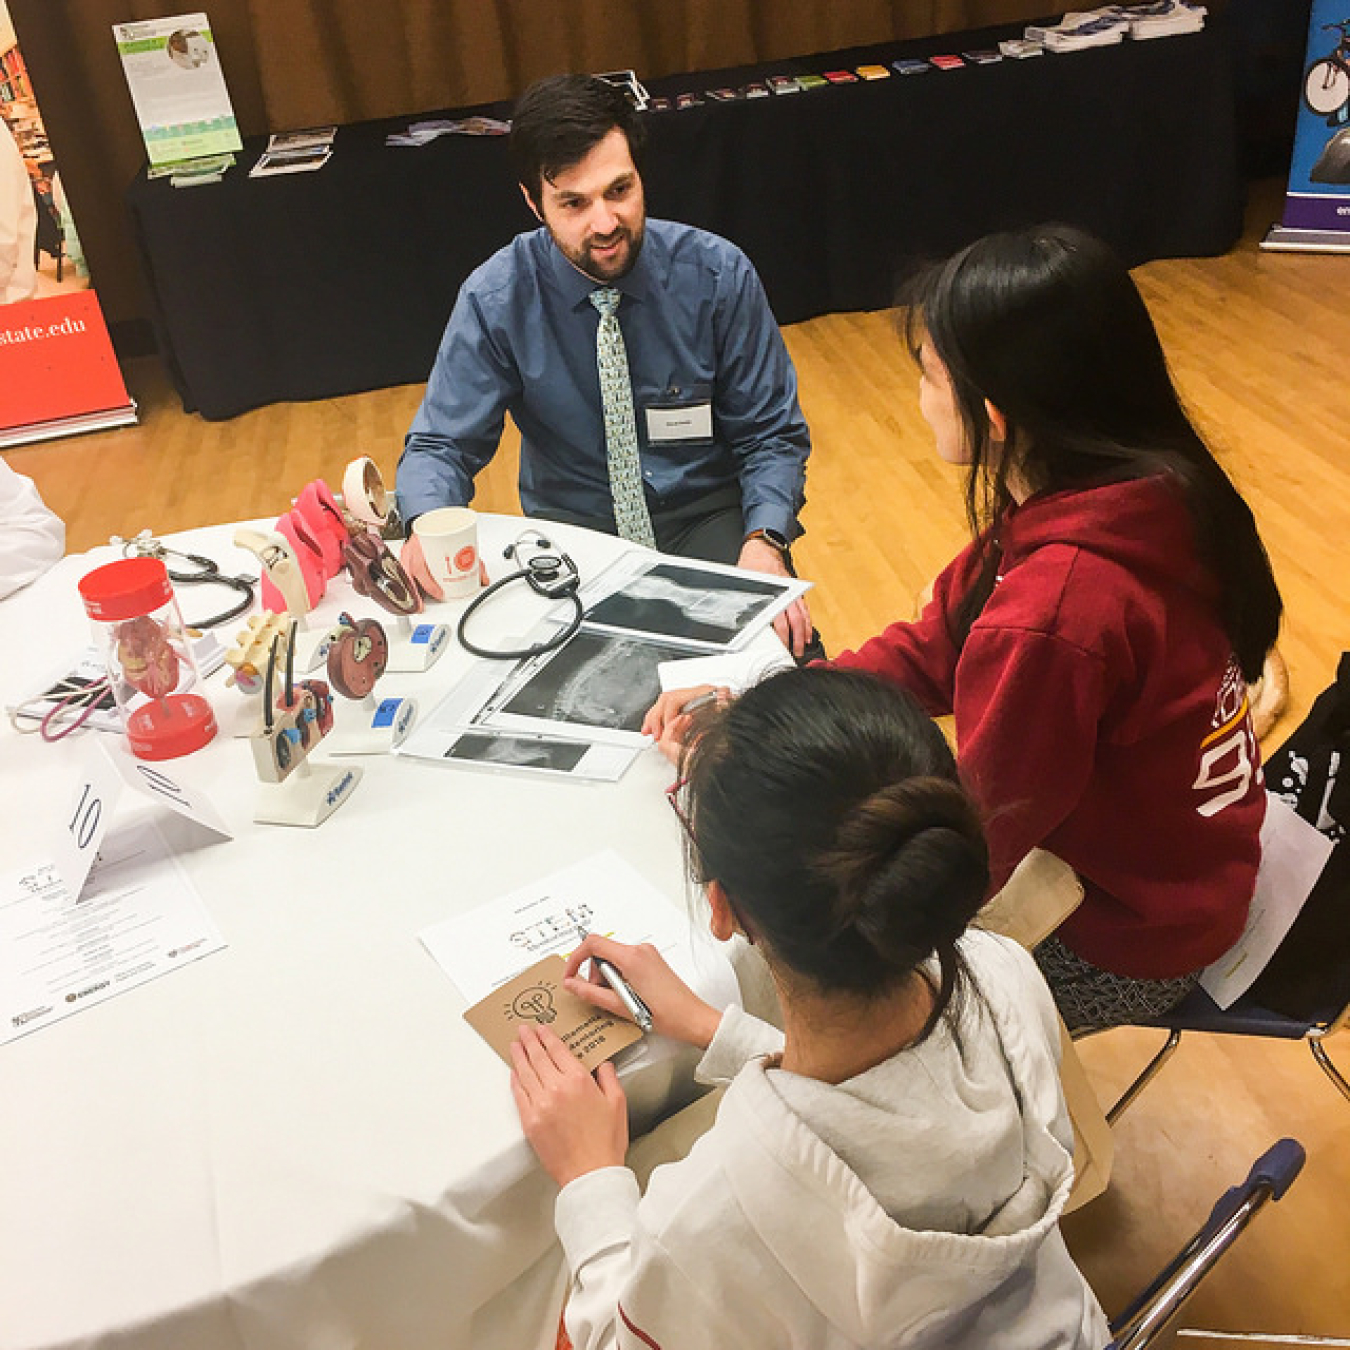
{"x":915,"y":1205}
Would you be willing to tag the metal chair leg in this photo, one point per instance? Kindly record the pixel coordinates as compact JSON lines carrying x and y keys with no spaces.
{"x":1258,"y":1338}
{"x":1150,"y":1072}
{"x":1321,"y":1056}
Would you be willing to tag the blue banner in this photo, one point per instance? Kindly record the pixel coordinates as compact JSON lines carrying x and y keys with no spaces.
{"x":1319,"y":177}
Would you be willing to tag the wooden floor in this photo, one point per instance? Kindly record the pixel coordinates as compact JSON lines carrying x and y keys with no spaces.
{"x":1258,"y":343}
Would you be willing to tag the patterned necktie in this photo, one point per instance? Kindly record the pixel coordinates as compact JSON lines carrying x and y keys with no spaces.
{"x":621,"y":442}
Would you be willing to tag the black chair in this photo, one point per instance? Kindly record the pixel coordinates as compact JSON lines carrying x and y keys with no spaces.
{"x":1246,"y":1017}
{"x":1150,"y":1314}
{"x":1304,"y":991}
{"x":51,"y":235}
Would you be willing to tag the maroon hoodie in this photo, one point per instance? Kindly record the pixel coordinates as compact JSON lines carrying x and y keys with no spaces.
{"x":1100,"y":714}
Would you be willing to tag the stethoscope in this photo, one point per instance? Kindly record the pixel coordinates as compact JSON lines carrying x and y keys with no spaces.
{"x":207,"y":573}
{"x":551,"y":574}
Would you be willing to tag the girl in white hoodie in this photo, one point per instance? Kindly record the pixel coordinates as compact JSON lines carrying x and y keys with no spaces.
{"x":889,"y":1170}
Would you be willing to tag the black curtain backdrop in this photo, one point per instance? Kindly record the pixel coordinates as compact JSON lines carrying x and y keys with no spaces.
{"x":313,"y":285}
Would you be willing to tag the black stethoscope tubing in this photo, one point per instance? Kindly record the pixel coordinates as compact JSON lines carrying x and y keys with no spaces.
{"x":549,"y":644}
{"x":208,"y":574}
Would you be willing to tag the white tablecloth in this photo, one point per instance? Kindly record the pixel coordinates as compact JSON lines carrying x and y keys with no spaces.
{"x":297,"y":1141}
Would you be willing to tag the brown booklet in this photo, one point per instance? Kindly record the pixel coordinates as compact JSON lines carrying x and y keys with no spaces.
{"x":537,"y":995}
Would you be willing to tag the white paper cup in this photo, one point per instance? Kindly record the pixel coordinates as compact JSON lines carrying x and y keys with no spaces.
{"x":449,"y":539}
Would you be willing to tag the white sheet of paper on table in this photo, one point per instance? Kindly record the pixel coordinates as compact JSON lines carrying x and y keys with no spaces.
{"x":138,"y":917}
{"x":1293,"y":854}
{"x":604,"y":894}
{"x":738,"y":671}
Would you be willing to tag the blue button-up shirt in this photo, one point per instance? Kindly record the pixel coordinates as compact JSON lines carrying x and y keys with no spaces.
{"x":696,"y":326}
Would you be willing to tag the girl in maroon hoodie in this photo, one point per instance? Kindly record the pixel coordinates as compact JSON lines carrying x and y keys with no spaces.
{"x":1095,"y":640}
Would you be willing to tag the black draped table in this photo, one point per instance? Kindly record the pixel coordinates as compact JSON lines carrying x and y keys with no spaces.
{"x":312,"y":285}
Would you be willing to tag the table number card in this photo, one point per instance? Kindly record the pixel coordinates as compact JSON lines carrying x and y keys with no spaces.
{"x":537,"y":996}
{"x":75,"y":844}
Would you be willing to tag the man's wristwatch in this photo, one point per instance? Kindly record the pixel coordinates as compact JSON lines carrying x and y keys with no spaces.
{"x":775,"y":541}
{"x":772,"y":538}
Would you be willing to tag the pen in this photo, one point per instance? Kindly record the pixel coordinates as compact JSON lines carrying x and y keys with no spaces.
{"x":628,"y":996}
{"x":701,"y":701}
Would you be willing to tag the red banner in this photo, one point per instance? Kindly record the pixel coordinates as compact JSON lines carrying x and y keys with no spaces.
{"x":58,"y":374}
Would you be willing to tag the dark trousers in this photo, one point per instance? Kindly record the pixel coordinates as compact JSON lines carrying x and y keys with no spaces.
{"x":710,"y":528}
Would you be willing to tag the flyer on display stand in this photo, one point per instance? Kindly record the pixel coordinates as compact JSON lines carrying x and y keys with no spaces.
{"x":176,"y":83}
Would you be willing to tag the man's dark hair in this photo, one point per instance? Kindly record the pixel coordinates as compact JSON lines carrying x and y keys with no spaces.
{"x":559,"y":120}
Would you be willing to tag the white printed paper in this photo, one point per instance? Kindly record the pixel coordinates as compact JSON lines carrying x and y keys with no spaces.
{"x":603,"y":894}
{"x":137,"y":918}
{"x":1293,"y":854}
{"x":737,"y":671}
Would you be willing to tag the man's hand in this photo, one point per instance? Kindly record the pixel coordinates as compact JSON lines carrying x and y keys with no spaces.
{"x":793,"y":625}
{"x":576,"y":1123}
{"x":415,"y":564}
{"x":676,"y":1010}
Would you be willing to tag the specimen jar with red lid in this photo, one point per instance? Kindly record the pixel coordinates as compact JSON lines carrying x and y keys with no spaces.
{"x":140,"y":633}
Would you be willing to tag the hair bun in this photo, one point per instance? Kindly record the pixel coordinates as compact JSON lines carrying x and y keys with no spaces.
{"x":911,"y":869}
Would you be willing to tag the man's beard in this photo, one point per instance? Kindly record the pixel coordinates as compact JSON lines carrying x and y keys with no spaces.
{"x":608,"y":270}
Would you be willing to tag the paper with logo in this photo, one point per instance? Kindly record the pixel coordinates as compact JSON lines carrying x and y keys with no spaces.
{"x":536,"y":996}
{"x":602,"y":894}
{"x":173,"y":71}
{"x":138,"y":917}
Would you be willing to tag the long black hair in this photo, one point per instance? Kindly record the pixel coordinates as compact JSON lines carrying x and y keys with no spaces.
{"x":1048,"y":326}
{"x":827,"y":805}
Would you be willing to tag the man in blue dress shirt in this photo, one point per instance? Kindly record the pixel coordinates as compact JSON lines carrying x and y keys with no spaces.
{"x":721,"y":441}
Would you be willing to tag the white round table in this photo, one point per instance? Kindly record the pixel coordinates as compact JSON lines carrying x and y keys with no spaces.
{"x":297,"y":1141}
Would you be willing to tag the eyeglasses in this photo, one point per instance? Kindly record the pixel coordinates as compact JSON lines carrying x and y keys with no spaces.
{"x":673,"y":797}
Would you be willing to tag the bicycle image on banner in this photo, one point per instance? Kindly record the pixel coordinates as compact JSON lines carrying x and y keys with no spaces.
{"x":1318,"y":198}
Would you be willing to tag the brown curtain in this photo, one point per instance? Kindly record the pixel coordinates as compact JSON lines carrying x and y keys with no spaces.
{"x":295,"y":63}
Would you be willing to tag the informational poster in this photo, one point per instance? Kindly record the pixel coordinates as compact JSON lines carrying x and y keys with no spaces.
{"x":58,"y":374}
{"x":176,"y":83}
{"x":1317,"y":205}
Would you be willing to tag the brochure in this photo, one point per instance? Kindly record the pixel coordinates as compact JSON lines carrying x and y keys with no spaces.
{"x":173,"y":72}
{"x":295,"y":152}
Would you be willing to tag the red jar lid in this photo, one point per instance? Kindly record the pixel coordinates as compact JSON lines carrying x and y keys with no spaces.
{"x":124,"y":589}
{"x":168,"y":727}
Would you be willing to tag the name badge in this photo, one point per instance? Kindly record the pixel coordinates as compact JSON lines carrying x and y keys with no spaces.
{"x":683,"y":422}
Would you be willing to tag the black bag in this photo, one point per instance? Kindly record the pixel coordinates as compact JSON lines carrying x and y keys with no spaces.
{"x":1309,"y":975}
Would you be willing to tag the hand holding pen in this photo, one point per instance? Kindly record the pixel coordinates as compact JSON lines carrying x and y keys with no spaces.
{"x":670,"y":719}
{"x":640,"y":972}
{"x":628,"y":996}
